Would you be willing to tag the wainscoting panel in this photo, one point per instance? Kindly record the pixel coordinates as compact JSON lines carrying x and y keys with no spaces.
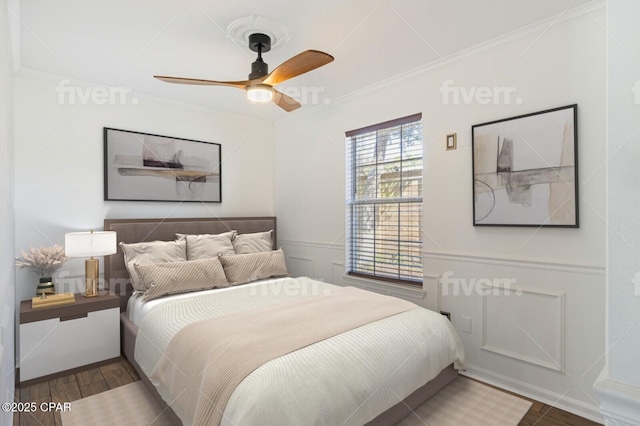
{"x":301,"y":266}
{"x":527,"y":325}
{"x":322,"y":262}
{"x":337,"y":272}
{"x":537,"y":324}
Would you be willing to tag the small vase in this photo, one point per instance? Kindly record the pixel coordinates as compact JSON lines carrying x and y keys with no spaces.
{"x":46,"y":286}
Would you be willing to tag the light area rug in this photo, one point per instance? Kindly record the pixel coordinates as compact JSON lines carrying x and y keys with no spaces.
{"x":130,"y":404}
{"x":463,"y":402}
{"x":466,"y":402}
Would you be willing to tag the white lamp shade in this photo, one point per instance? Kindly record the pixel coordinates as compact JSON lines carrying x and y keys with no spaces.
{"x":89,"y":244}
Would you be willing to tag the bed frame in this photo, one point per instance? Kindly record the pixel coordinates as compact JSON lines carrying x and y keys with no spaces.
{"x":117,"y":278}
{"x":139,"y":230}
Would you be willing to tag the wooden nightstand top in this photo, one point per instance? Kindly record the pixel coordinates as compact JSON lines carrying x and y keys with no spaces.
{"x":80,"y":309}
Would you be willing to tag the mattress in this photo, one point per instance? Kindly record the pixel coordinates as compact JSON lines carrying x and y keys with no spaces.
{"x":347,"y":379}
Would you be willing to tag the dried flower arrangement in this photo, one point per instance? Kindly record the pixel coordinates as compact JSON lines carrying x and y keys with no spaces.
{"x":44,"y":260}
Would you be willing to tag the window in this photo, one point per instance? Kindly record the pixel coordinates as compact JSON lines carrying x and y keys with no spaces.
{"x":384,"y":201}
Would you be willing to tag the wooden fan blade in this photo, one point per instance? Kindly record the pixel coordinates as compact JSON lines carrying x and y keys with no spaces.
{"x":298,"y":65}
{"x":285,"y":102}
{"x":238,"y":84}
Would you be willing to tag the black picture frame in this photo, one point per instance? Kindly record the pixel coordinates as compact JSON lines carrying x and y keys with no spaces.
{"x":525,"y":170}
{"x":148,"y":167}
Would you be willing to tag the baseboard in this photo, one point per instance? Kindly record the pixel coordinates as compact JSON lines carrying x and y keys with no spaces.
{"x":619,"y":402}
{"x":579,"y":408}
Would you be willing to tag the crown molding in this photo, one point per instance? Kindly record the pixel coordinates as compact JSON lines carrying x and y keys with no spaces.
{"x":568,"y":18}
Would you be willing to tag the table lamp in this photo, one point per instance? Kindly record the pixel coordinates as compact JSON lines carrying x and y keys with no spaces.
{"x":90,"y":244}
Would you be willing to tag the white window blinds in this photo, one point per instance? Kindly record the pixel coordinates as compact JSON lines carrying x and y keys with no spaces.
{"x":384,"y":200}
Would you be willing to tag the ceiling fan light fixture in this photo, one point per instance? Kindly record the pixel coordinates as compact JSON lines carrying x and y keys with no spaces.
{"x":260,"y":84}
{"x":260,"y":93}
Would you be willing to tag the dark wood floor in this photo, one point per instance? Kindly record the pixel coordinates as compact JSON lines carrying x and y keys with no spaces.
{"x":70,"y":388}
{"x":91,"y":382}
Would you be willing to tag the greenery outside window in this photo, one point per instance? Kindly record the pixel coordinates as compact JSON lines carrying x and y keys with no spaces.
{"x":384,"y":201}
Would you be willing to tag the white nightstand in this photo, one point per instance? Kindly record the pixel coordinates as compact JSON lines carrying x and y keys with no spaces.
{"x":55,"y":340}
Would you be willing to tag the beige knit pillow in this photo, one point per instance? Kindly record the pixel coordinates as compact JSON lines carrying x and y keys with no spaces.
{"x":206,"y":246}
{"x":253,"y":243}
{"x":244,"y":268}
{"x":162,"y":279}
{"x":151,"y":252}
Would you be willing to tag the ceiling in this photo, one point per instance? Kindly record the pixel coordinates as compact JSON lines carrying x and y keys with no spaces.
{"x":124,"y":43}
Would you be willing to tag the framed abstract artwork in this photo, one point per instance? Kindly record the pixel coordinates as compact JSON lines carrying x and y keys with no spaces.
{"x":146,"y":167}
{"x":525,"y":170}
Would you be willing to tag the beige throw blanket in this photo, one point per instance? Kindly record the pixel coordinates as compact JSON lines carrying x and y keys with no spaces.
{"x":206,"y":360}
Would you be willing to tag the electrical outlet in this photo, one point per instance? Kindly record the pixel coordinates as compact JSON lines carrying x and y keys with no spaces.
{"x":465,"y":325}
{"x":446,"y":314}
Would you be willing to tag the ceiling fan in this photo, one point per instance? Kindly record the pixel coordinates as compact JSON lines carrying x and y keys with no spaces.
{"x":259,"y":86}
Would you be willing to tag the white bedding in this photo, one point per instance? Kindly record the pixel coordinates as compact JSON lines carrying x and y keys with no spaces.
{"x":137,"y":308}
{"x":346,"y":380}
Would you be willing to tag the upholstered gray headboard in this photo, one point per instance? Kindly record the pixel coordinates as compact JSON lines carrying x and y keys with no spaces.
{"x":138,"y":230}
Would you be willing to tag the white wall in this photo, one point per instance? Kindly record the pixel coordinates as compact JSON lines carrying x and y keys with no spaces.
{"x":619,"y":384}
{"x":551,"y":338}
{"x":59,"y":164}
{"x":6,"y":219}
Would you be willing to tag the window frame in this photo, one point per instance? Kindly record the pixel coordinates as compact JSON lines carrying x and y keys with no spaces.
{"x":351,"y":201}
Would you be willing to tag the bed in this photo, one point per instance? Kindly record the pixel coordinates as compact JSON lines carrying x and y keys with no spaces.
{"x":374,"y":373}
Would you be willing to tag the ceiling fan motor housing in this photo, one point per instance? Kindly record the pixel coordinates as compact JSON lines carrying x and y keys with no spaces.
{"x":258,"y":69}
{"x":260,"y":43}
